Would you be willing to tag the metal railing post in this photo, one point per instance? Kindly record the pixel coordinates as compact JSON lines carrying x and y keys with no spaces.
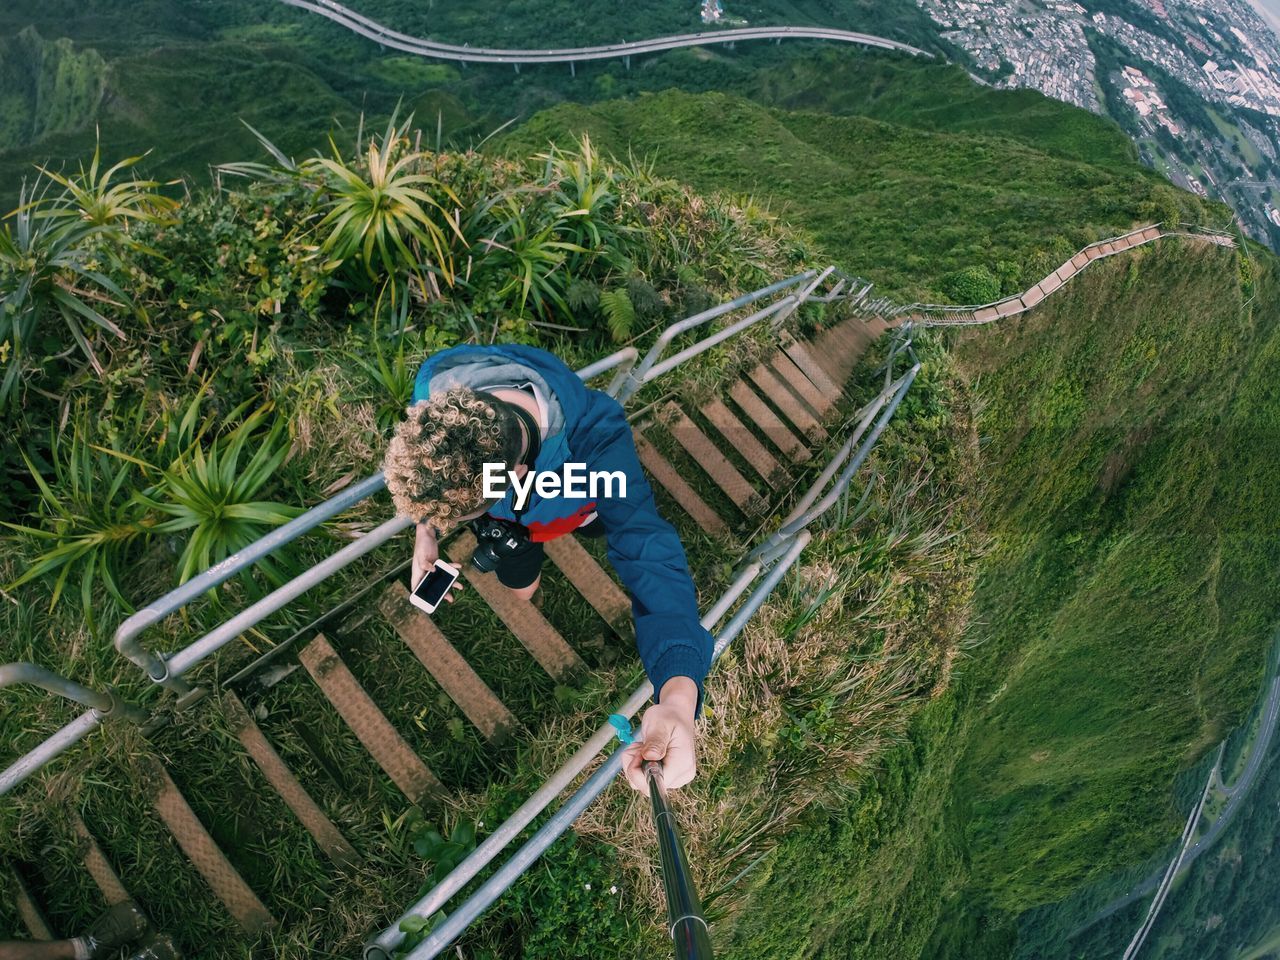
{"x":105,"y":703}
{"x":636,"y":379}
{"x":127,"y":638}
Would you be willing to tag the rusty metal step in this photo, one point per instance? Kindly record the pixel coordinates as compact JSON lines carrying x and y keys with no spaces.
{"x":96,"y":863}
{"x":777,"y":431}
{"x":739,"y":436}
{"x":29,"y":911}
{"x":773,"y":387}
{"x":522,"y":618}
{"x":223,"y":879}
{"x":799,"y":354}
{"x":327,"y":837}
{"x":799,"y":382}
{"x":660,"y":468}
{"x":592,"y":581}
{"x":709,"y":457}
{"x":367,"y":722}
{"x":455,"y":676}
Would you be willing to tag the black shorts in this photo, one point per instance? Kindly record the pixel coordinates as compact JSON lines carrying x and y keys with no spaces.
{"x":521,"y":569}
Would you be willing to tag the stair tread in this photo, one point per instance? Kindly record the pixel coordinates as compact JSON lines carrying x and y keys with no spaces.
{"x":205,"y":855}
{"x":96,"y":863}
{"x":773,"y":387}
{"x":660,"y":468}
{"x":29,"y":911}
{"x":712,"y":460}
{"x":592,"y":581}
{"x":368,"y":722}
{"x":798,"y":381}
{"x":739,"y":436}
{"x":768,"y":421}
{"x":331,"y":842}
{"x":521,"y":617}
{"x":449,"y":668}
{"x":800,"y":354}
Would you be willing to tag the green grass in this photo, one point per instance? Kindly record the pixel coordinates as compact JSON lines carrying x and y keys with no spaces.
{"x":1127,"y":455}
{"x":870,"y":191}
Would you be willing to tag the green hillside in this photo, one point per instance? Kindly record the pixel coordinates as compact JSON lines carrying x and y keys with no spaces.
{"x":46,"y":87}
{"x":907,"y":207}
{"x":1117,"y":450}
{"x":1127,"y":487}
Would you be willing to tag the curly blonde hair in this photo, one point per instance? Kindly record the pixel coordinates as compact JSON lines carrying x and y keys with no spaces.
{"x":434,"y":463}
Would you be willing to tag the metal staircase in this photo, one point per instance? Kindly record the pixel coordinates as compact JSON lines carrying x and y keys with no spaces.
{"x":745,"y":452}
{"x":752,"y":452}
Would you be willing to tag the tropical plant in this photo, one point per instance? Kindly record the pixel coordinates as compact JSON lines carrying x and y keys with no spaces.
{"x":91,"y":197}
{"x":285,"y":171}
{"x":394,"y":372}
{"x":526,"y":258}
{"x":50,"y":267}
{"x":215,"y":496}
{"x":619,"y":313}
{"x":88,"y":517}
{"x":585,"y":200}
{"x":443,"y":855}
{"x":380,"y":212}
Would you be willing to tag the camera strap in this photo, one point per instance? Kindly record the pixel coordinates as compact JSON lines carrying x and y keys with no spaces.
{"x":534,"y":431}
{"x":535,"y":447}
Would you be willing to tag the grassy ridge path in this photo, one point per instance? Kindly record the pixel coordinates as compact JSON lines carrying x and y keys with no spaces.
{"x":939,"y":314}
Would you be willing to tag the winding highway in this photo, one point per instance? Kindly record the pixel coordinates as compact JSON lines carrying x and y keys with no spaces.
{"x":1235,"y":794}
{"x":358,"y":23}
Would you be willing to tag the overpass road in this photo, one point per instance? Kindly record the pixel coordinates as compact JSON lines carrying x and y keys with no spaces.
{"x":379,"y":33}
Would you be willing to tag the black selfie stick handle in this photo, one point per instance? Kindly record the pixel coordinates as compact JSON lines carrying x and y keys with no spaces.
{"x":685,"y":921}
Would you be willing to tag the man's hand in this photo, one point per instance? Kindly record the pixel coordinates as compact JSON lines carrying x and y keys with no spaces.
{"x":666,"y":734}
{"x":426,"y":550}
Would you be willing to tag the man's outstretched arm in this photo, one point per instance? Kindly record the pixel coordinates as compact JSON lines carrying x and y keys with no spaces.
{"x":646,"y":552}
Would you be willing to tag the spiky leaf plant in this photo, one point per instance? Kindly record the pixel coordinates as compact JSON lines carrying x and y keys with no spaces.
{"x":214,"y":493}
{"x":88,"y":517}
{"x":51,"y":269}
{"x":91,"y":197}
{"x":382,"y":212}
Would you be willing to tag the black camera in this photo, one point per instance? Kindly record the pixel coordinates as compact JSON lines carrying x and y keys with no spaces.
{"x":496,"y":539}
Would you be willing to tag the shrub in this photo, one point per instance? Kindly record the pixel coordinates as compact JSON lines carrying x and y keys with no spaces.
{"x":971,"y":285}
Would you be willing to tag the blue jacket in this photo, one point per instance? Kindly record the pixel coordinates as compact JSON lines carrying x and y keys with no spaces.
{"x":643,"y":548}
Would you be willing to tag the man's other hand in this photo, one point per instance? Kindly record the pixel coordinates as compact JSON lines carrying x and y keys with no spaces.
{"x":666,"y":734}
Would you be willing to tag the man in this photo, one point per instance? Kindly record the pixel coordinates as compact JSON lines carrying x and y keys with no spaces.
{"x":519,"y":408}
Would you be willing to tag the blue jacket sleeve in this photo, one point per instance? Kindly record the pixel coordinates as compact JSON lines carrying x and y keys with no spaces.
{"x":646,"y":552}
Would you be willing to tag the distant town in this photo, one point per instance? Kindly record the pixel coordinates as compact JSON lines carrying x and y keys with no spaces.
{"x":1195,"y":82}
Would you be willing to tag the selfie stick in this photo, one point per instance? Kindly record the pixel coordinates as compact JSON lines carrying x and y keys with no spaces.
{"x":688,"y":929}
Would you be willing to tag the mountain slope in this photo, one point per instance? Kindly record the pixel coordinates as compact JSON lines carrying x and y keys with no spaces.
{"x":905,"y":206}
{"x":1128,"y":490}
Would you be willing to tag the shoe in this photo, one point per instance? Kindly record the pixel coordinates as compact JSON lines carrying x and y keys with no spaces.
{"x":158,"y":946}
{"x":121,"y":924}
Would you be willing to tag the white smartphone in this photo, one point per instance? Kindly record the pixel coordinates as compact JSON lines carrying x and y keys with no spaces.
{"x":431,"y":589}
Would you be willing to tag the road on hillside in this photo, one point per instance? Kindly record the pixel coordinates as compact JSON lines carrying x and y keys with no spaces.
{"x":345,"y":16}
{"x":1235,"y":795}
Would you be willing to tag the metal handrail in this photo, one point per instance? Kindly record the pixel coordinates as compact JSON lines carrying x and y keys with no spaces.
{"x":780,"y":555}
{"x":105,"y":703}
{"x":466,"y":912}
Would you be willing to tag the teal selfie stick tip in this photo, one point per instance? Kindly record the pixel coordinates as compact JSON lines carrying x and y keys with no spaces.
{"x":622,"y":726}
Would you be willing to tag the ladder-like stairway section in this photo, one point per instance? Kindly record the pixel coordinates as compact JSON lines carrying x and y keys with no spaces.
{"x":752,"y":446}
